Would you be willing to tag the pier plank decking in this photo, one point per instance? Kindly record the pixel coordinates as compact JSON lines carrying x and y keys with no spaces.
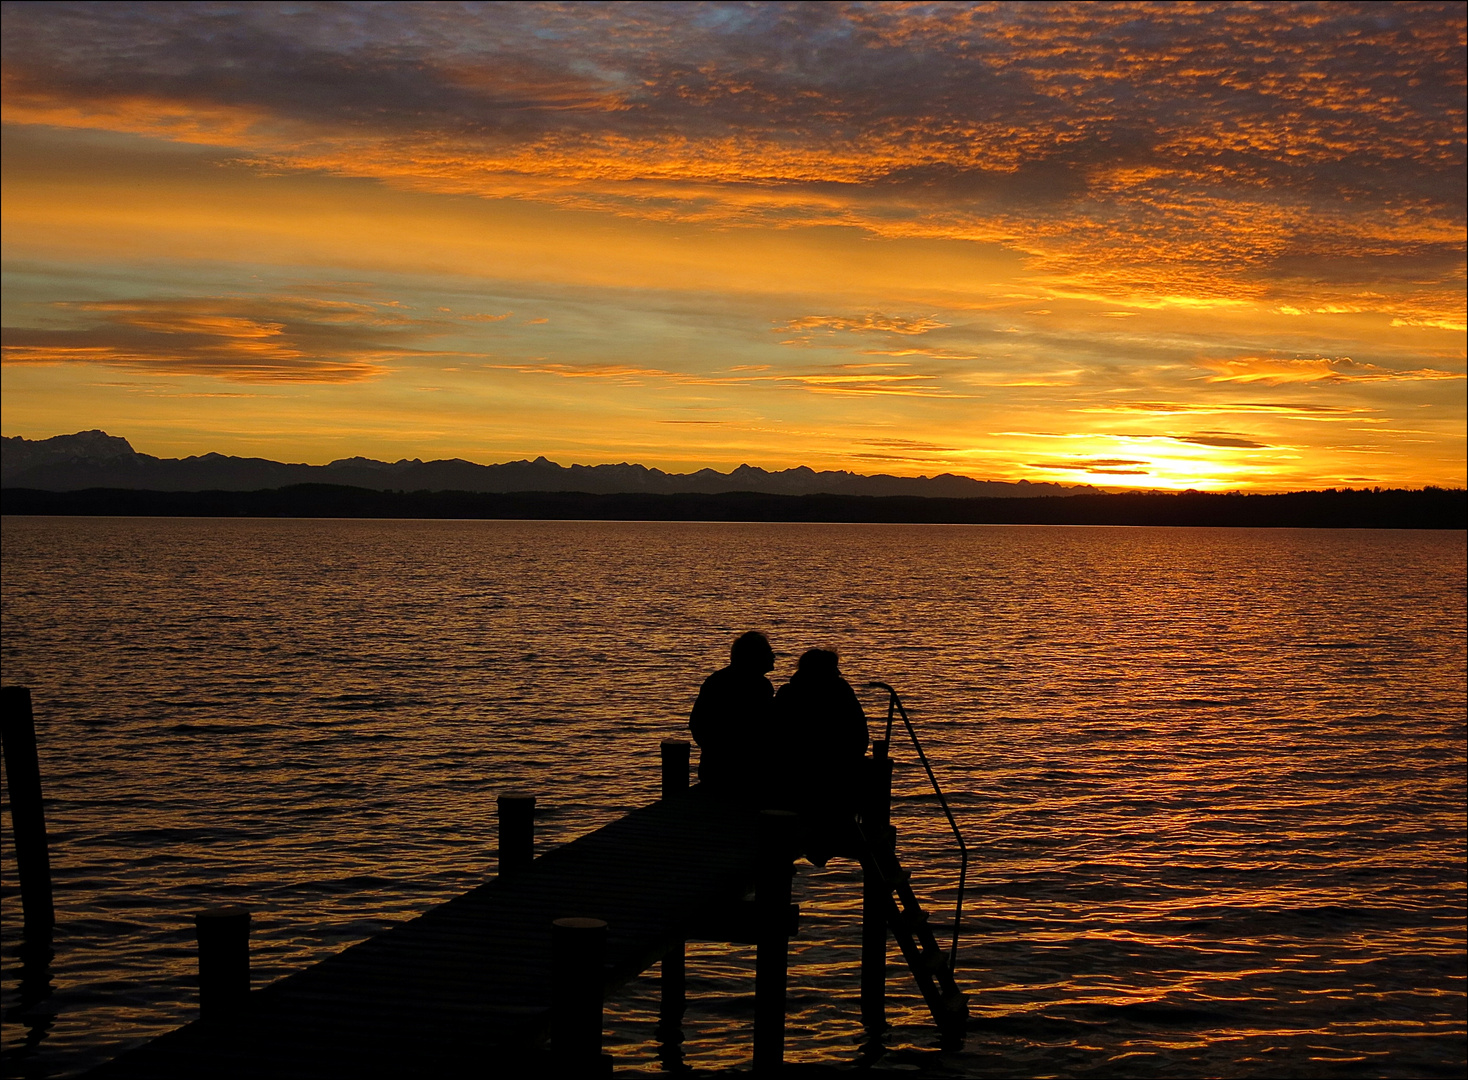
{"x":467,"y":985}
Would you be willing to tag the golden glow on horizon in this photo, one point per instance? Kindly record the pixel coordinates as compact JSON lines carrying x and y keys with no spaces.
{"x":639,"y":257}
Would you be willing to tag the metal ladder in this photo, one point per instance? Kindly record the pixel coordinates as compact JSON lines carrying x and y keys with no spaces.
{"x":932,"y":968}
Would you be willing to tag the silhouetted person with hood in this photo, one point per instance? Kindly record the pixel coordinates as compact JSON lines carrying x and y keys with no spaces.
{"x":731,"y":720}
{"x":821,"y":721}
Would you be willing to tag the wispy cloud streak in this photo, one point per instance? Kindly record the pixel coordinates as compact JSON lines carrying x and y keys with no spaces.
{"x":257,"y":339}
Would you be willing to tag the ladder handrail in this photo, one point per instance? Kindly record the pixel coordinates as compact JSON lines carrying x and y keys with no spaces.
{"x":895,"y":708}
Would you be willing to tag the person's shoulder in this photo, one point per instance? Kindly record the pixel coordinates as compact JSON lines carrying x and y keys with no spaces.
{"x":752,"y":682}
{"x":717,"y":679}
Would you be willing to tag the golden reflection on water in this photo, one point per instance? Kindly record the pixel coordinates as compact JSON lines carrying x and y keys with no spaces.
{"x":1213,"y":779}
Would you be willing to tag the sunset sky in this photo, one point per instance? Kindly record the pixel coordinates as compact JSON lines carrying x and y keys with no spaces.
{"x":1202,"y":245}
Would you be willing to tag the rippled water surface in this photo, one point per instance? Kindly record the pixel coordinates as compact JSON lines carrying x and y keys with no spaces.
{"x":1213,"y":779}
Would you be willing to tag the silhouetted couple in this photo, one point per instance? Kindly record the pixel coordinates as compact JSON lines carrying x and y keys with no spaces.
{"x":799,"y":749}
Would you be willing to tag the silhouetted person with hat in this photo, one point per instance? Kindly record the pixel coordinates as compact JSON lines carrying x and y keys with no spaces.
{"x":821,"y":721}
{"x":731,"y":720}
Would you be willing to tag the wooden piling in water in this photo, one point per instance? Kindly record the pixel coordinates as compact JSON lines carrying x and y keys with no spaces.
{"x":875,"y":894}
{"x":517,"y":832}
{"x":771,"y":958}
{"x":673,"y":987}
{"x":673,"y":968}
{"x":27,"y":814}
{"x":675,"y":767}
{"x":578,"y":949}
{"x":224,"y":960}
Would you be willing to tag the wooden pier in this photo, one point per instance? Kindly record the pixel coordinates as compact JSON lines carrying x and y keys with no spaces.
{"x":509,"y":977}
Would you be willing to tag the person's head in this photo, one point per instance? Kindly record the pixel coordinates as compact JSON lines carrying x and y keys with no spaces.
{"x":752,"y":651}
{"x":818,"y":664}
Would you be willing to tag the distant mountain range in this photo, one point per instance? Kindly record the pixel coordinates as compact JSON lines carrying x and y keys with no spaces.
{"x":94,"y":459}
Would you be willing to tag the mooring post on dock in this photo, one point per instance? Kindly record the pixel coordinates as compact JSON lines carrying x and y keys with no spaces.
{"x":27,"y":816}
{"x":772,"y":910}
{"x":224,"y":960}
{"x":517,"y":832}
{"x":875,"y":894}
{"x":675,"y":767}
{"x":578,"y":949}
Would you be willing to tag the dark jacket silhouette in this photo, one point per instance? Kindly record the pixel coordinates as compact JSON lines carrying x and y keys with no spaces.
{"x":731,"y":719}
{"x":821,"y":722}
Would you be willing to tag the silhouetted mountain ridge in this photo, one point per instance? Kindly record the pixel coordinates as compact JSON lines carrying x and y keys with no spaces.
{"x":94,"y":459}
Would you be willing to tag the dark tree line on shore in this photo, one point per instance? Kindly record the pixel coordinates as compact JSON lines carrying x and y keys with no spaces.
{"x":1428,"y":508}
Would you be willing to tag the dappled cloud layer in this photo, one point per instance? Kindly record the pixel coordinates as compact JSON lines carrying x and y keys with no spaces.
{"x":1216,"y":150}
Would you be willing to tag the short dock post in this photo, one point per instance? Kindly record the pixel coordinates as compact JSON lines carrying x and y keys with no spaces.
{"x":517,"y":832}
{"x":875,"y":894}
{"x":27,"y":817}
{"x":675,"y":767}
{"x":772,"y":908}
{"x":224,"y":960}
{"x":578,"y":948}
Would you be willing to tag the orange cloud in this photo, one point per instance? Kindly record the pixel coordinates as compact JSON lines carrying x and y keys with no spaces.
{"x":1273,"y":371}
{"x":843,"y":381}
{"x":266,"y":339}
{"x":873,"y":322}
{"x":870,"y":384}
{"x":1098,"y":466}
{"x":1292,"y":410}
{"x":621,"y":373}
{"x":932,"y":354}
{"x":1220,"y":441}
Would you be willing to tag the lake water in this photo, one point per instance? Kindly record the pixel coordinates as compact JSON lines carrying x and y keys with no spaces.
{"x":1213,"y":779}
